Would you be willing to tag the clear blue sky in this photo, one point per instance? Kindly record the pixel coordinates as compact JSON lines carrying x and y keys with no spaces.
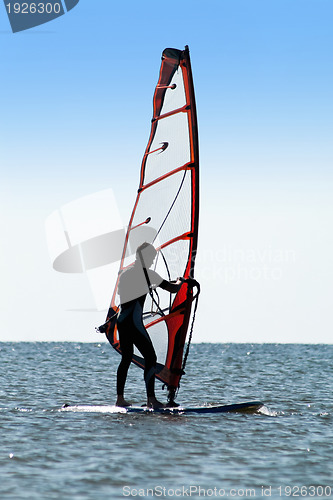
{"x":75,"y":105}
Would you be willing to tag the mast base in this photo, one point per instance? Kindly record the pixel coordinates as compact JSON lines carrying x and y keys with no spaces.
{"x":171,"y":397}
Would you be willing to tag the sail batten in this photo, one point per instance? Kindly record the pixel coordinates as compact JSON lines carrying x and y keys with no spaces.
{"x":187,"y":166}
{"x":167,"y":208}
{"x":170,"y":113}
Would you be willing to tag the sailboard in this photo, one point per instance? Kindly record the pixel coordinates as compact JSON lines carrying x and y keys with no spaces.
{"x":247,"y":407}
{"x":166,"y":214}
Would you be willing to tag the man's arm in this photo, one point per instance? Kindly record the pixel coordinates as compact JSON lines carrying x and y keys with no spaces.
{"x":172,"y":286}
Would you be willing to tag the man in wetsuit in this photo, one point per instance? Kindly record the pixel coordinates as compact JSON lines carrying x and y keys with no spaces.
{"x":133,"y":287}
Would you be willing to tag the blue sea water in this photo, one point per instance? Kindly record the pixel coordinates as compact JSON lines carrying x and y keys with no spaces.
{"x":50,"y":454}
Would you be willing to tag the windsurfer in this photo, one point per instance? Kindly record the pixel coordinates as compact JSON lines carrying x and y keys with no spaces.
{"x":134,"y":284}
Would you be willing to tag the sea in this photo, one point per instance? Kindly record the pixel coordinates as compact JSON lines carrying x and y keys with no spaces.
{"x":285,"y":450}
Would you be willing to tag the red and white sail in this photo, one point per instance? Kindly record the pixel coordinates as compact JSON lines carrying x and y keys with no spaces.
{"x":166,"y":214}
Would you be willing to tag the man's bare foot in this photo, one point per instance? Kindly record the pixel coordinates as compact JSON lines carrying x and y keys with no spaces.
{"x":122,"y":402}
{"x":172,"y":404}
{"x":153,"y":403}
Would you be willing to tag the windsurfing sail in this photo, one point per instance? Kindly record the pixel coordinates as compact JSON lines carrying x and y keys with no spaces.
{"x":166,"y":214}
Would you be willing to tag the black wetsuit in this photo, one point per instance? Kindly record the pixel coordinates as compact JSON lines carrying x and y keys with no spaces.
{"x":131,"y":328}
